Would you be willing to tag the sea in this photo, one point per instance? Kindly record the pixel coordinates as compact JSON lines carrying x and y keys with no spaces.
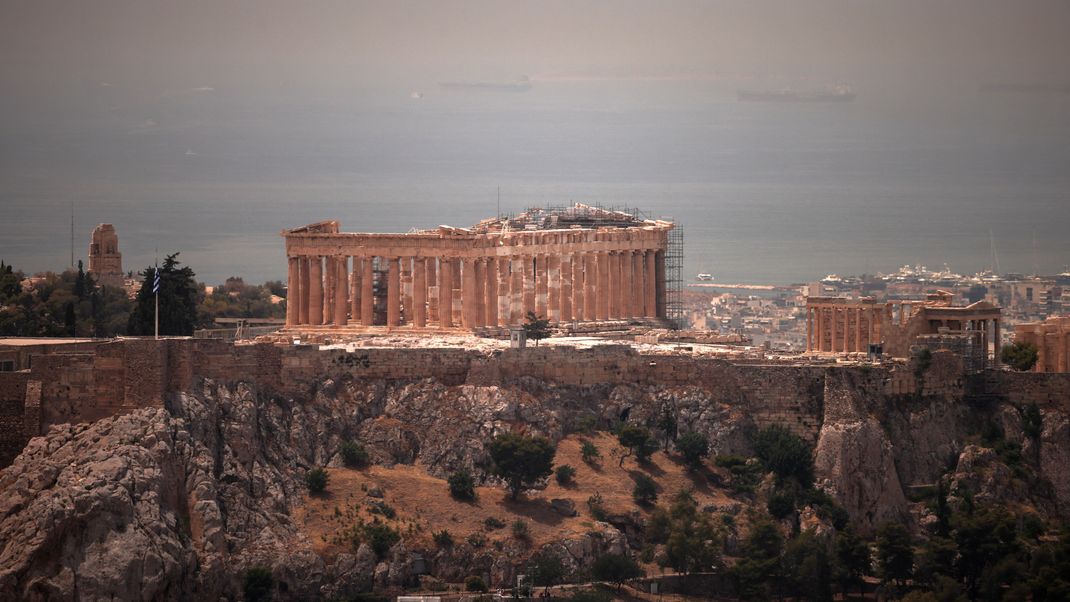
{"x":765,"y":192}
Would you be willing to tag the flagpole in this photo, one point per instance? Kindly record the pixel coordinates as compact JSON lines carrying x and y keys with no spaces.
{"x":156,"y":295}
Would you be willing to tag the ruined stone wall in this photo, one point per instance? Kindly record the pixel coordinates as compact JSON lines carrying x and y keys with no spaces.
{"x":12,"y":407}
{"x":1045,"y":389}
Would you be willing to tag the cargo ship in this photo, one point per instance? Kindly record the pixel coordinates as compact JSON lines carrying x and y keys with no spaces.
{"x":835,"y":94}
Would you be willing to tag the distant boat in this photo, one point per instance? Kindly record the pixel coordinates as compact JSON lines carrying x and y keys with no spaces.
{"x":836,"y":94}
{"x":704,"y":277}
{"x":521,"y":85}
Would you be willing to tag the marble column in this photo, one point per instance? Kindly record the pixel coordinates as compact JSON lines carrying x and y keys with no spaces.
{"x":355,"y":289}
{"x":293,"y":290}
{"x":529,"y":285}
{"x":650,"y":287}
{"x":302,"y":301}
{"x":315,"y":291}
{"x":431,"y":265}
{"x":542,"y":274}
{"x":613,"y":291}
{"x":505,"y":301}
{"x":341,"y":288}
{"x":553,"y":287}
{"x":602,"y":292}
{"x":468,"y":293}
{"x":393,"y":292}
{"x":627,"y":283}
{"x":637,"y":283}
{"x":819,"y":321}
{"x":490,"y":288}
{"x":406,"y":290}
{"x":516,"y":290}
{"x":419,"y":291}
{"x":833,"y":341}
{"x":590,"y":280}
{"x":367,"y":295}
{"x":445,"y":293}
{"x":329,"y":271}
{"x":565,"y":304}
{"x":455,"y":297}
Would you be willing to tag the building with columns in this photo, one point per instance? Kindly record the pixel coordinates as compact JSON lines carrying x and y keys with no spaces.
{"x":843,"y":325}
{"x":579,"y":264}
{"x":1052,"y":340}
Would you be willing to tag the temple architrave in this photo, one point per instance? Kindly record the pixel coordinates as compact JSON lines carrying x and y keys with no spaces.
{"x":843,"y":325}
{"x":105,"y":260}
{"x":578,"y":264}
{"x":1052,"y":340}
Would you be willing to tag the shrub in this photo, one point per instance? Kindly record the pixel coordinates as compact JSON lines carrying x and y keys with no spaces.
{"x":258,"y":584}
{"x":381,"y":537}
{"x":645,"y":491}
{"x":596,"y":506}
{"x":694,"y":447}
{"x":378,"y":507}
{"x":492,"y":523}
{"x":564,"y":474}
{"x":781,"y":505}
{"x":589,"y":451}
{"x":353,"y":454}
{"x":316,"y":480}
{"x":476,"y":540}
{"x":443,"y":539}
{"x":785,"y":454}
{"x":462,"y":485}
{"x":521,"y":529}
{"x":588,"y":424}
{"x":591,"y":596}
{"x":922,"y":361}
{"x":474,"y":583}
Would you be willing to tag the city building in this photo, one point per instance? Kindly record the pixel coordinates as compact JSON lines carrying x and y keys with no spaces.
{"x":574,"y":264}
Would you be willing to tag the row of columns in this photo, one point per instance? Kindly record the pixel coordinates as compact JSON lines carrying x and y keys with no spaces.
{"x":843,"y":329}
{"x":475,"y":292}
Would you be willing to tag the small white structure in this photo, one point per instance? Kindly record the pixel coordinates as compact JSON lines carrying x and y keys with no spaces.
{"x":518,"y":338}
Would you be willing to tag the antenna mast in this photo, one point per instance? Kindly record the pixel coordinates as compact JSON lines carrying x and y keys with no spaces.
{"x":72,"y":234}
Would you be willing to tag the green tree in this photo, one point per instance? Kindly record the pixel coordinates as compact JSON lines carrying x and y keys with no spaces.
{"x":178,"y":301}
{"x":757,"y":574}
{"x":694,"y":447}
{"x":785,"y":454}
{"x":564,"y":474}
{"x":852,"y":561}
{"x":258,"y":584}
{"x":692,"y":543}
{"x":537,"y":328}
{"x":1020,"y":355}
{"x":667,"y":426}
{"x":895,"y":553}
{"x":546,"y":570}
{"x":521,"y":460}
{"x":808,"y":567}
{"x":636,"y":439}
{"x":615,"y":569}
{"x":986,"y":538}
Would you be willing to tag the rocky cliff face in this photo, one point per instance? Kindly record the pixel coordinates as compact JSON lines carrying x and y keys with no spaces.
{"x":174,"y":504}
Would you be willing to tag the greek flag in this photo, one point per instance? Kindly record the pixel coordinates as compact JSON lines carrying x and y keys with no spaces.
{"x":156,"y":282}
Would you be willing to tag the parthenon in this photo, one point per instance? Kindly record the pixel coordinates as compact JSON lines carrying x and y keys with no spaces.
{"x":578,"y":264}
{"x":842,"y":325}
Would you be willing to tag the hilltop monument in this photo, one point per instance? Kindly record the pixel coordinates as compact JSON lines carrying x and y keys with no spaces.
{"x":105,"y":260}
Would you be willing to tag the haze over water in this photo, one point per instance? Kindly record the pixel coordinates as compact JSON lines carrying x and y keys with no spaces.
{"x":215,"y":157}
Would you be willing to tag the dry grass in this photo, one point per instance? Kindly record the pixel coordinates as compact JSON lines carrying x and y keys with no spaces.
{"x":423,"y":504}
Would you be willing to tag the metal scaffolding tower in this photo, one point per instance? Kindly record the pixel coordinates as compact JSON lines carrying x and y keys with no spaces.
{"x":674,"y":283}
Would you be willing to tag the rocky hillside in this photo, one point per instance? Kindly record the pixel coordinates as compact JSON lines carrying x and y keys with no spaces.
{"x":175,"y":503}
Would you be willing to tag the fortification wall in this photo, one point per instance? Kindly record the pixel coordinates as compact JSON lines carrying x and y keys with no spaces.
{"x":120,"y":376}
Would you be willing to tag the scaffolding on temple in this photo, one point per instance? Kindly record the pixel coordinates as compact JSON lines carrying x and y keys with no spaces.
{"x":674,"y":283}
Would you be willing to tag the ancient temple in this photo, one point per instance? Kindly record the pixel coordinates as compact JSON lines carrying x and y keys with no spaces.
{"x":574,"y":264}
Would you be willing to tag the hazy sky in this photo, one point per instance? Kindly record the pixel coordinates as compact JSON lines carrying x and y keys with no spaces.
{"x":208,"y":126}
{"x":47,"y":45}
